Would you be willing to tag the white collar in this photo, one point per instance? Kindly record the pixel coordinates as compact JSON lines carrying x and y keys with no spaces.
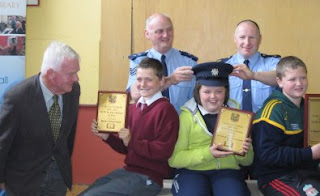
{"x":204,"y":111}
{"x":149,"y":101}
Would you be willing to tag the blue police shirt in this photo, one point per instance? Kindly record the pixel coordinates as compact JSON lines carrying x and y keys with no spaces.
{"x":179,"y":93}
{"x":260,"y":92}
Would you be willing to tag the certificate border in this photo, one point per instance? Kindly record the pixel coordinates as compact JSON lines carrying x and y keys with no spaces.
{"x":236,"y":110}
{"x":126,"y":115}
{"x":306,"y":111}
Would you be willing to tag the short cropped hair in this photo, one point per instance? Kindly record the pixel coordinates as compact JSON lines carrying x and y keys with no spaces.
{"x":150,"y":18}
{"x":153,"y":64}
{"x":251,"y":21}
{"x":196,"y":94}
{"x":291,"y":62}
{"x":54,"y":55}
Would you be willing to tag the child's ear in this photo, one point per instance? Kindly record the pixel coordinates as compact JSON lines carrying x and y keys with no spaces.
{"x":279,"y":81}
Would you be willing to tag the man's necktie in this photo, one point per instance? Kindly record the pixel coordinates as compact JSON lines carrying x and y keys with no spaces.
{"x":165,"y":73}
{"x":246,"y":92}
{"x":54,"y":117}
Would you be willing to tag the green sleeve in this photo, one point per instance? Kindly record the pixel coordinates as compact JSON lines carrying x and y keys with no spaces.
{"x":182,"y":156}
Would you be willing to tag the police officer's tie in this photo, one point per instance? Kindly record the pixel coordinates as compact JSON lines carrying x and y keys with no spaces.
{"x":55,"y":118}
{"x":165,"y":73}
{"x":246,"y":92}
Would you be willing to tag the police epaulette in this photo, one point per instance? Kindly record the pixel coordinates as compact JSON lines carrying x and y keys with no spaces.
{"x":270,"y":55}
{"x":188,"y":55}
{"x":134,"y":56}
{"x":224,"y":59}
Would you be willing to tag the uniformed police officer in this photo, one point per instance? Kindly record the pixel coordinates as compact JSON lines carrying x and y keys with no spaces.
{"x":179,"y":82}
{"x":260,"y":71}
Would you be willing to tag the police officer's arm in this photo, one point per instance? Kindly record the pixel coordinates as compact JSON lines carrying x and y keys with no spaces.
{"x":181,"y":74}
{"x":266,"y":77}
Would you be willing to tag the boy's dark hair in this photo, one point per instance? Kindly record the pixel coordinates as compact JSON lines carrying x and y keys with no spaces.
{"x":196,"y":94}
{"x":291,"y":62}
{"x":153,"y":64}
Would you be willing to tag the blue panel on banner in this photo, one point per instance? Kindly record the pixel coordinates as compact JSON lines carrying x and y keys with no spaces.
{"x":12,"y":71}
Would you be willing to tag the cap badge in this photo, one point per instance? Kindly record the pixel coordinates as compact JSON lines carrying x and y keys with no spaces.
{"x":215,"y":72}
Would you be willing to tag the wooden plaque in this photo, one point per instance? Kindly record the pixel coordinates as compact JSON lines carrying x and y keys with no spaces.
{"x":311,"y":119}
{"x":231,"y":129}
{"x":112,"y":111}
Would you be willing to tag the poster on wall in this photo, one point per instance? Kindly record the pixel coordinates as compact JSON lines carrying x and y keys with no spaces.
{"x":12,"y":43}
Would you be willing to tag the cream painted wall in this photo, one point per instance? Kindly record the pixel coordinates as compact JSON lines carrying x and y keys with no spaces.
{"x":75,"y":22}
{"x":205,"y":28}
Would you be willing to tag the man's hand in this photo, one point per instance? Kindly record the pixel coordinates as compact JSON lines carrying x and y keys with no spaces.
{"x":181,"y":74}
{"x":266,"y":77}
{"x":125,"y":135}
{"x":242,"y":71}
{"x":217,"y":152}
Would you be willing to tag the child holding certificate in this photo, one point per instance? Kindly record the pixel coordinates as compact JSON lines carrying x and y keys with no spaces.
{"x":202,"y":167}
{"x":148,"y":142}
{"x":282,"y":165}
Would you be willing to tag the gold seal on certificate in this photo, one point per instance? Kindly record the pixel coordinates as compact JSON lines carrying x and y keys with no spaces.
{"x":112,"y":110}
{"x":232,"y":127}
{"x":311,"y":119}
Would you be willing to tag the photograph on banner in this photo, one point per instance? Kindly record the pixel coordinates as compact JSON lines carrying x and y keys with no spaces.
{"x":12,"y":45}
{"x":12,"y":24}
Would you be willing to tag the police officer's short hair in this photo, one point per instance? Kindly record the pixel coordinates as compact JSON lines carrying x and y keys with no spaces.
{"x":251,"y":21}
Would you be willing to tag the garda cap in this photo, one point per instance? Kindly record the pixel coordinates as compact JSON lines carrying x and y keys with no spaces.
{"x":212,"y":73}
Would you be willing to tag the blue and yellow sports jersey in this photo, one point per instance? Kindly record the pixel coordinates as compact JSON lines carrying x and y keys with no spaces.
{"x":278,"y":139}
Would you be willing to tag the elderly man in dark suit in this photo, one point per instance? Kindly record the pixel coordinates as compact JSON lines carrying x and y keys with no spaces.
{"x":38,"y":121}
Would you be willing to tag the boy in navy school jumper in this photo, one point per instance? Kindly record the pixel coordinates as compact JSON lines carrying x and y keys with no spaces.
{"x":282,"y":164}
{"x":148,"y":142}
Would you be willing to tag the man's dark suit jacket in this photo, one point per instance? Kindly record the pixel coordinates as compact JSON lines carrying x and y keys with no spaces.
{"x":26,"y":145}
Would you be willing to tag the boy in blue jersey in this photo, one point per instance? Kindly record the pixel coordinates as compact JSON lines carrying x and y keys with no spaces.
{"x":282,"y":165}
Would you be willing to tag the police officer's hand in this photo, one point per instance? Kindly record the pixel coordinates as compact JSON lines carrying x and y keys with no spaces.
{"x":94,"y":130}
{"x":242,"y":71}
{"x":181,"y":74}
{"x":316,"y":151}
{"x":217,"y":152}
{"x":125,"y":135}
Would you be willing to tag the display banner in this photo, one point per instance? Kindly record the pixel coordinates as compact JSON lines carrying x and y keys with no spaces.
{"x":12,"y":43}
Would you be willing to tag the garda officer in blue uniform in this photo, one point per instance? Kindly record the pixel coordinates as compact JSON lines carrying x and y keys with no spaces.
{"x":179,"y":82}
{"x":260,"y":71}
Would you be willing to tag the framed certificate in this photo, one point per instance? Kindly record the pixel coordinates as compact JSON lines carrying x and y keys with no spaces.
{"x":231,"y":129}
{"x":311,"y":119}
{"x":112,"y":110}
